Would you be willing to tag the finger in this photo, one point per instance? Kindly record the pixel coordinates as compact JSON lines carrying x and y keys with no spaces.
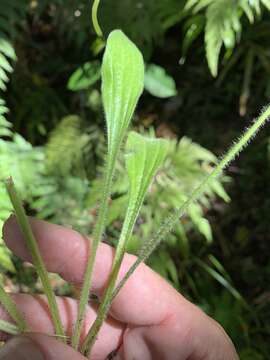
{"x":145,"y":299}
{"x":64,"y":251}
{"x":185,"y":335}
{"x":37,"y":347}
{"x":37,"y":316}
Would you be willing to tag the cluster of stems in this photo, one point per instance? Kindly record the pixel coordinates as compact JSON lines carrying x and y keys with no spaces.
{"x":118,"y":111}
{"x":112,"y":290}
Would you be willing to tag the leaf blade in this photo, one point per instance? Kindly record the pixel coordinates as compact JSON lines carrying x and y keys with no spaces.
{"x":158,"y":83}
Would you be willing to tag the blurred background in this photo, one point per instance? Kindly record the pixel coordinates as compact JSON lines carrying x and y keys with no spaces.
{"x":207,"y":76}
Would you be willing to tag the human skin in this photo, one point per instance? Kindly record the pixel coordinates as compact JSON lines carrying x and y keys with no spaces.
{"x":148,"y":319}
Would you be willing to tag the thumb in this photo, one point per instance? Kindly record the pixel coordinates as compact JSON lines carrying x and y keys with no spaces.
{"x":37,"y":347}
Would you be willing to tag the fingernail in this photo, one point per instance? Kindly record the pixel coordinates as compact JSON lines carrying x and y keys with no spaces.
{"x":21,"y":348}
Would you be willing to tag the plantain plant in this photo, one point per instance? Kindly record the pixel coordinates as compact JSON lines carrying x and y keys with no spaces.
{"x":122,"y":84}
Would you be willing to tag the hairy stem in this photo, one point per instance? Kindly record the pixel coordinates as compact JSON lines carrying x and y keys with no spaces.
{"x":97,"y":236}
{"x":36,"y":256}
{"x":12,"y":310}
{"x":104,"y":306}
{"x":172,"y":219}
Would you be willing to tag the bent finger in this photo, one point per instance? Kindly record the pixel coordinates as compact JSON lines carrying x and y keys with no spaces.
{"x":38,"y":319}
{"x":37,"y":347}
{"x":145,"y":299}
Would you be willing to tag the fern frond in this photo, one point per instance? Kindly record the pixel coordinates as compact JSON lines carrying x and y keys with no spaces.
{"x":10,"y":14}
{"x":64,"y":151}
{"x":186,"y":166}
{"x":266,"y":3}
{"x":25,"y":163}
{"x":4,"y":124}
{"x":223,"y":23}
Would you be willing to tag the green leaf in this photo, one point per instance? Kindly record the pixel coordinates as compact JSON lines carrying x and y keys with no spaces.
{"x":65,"y":148}
{"x":197,"y":5}
{"x":7,"y":49}
{"x":116,"y":209}
{"x":5,"y":64}
{"x":144,"y":156}
{"x":165,"y":266}
{"x":221,"y":279}
{"x":9,"y":328}
{"x":38,"y":262}
{"x":158,"y":83}
{"x":122,"y":84}
{"x":174,"y":217}
{"x":201,"y":223}
{"x":5,"y":260}
{"x":85,"y":76}
{"x":11,"y":308}
{"x":223,"y":23}
{"x":205,"y":229}
{"x":193,"y":28}
{"x":266,"y":3}
{"x":189,"y":5}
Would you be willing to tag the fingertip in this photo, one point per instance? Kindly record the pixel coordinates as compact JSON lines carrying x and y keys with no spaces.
{"x":10,"y":229}
{"x":21,"y":348}
{"x":53,"y":349}
{"x":14,"y":239}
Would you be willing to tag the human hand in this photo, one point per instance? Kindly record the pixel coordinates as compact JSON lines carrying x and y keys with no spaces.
{"x":148,"y":319}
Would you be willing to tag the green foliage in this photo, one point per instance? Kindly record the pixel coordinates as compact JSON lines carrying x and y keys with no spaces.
{"x":143,"y":158}
{"x":153,"y":16}
{"x":20,"y":160}
{"x":85,"y":76}
{"x":63,"y":186}
{"x":121,"y":67}
{"x":11,"y":308}
{"x":158,"y":82}
{"x":65,"y":148}
{"x":5,"y":126}
{"x":173,"y":218}
{"x":9,"y":328}
{"x":186,"y":166}
{"x":38,"y":262}
{"x":11,"y":12}
{"x":25,"y":163}
{"x":223,"y":23}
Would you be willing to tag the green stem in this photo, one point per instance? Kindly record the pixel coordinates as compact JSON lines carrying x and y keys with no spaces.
{"x":104,"y":307}
{"x":238,"y":146}
{"x":95,"y":18}
{"x":9,"y":328}
{"x":12,"y":310}
{"x":102,"y":311}
{"x":97,"y":236}
{"x":36,"y":256}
